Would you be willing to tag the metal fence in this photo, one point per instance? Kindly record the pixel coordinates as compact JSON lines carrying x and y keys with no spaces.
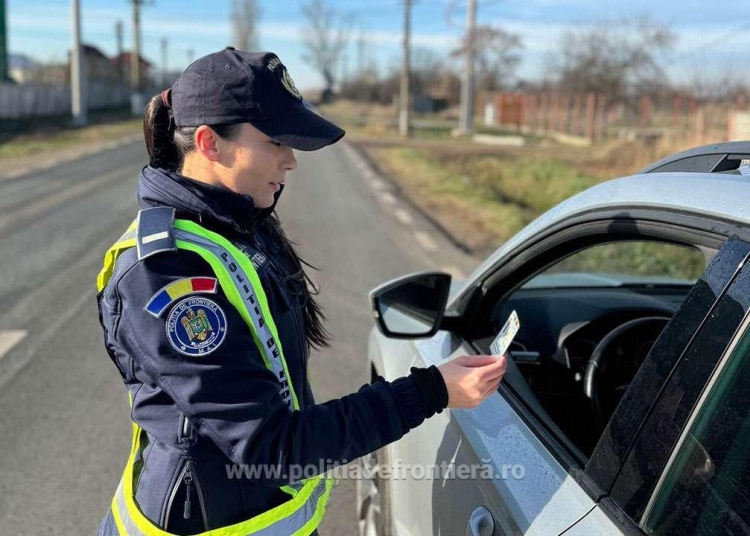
{"x":27,"y":100}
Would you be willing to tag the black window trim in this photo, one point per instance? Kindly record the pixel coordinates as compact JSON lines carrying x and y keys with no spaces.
{"x":724,"y":360}
{"x":626,"y":487}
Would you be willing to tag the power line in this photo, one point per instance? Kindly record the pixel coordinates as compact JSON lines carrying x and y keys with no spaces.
{"x":722,"y":39}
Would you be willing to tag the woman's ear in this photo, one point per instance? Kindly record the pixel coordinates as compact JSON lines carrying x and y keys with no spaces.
{"x":206,"y":143}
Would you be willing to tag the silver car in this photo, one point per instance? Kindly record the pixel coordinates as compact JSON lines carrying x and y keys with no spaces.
{"x":625,"y":408}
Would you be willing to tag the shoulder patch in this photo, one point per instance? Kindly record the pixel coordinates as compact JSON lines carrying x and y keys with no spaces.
{"x":176,"y":290}
{"x":155,"y":231}
{"x":196,"y":326}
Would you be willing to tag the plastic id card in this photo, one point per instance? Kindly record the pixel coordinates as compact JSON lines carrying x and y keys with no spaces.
{"x":500,"y":345}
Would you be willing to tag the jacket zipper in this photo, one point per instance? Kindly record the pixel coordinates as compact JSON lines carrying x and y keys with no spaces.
{"x":276,"y":272}
{"x":183,"y":431}
{"x":189,"y":478}
{"x":199,"y":492}
{"x":291,"y":303}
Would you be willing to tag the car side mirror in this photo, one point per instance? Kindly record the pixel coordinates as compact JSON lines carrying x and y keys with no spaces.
{"x":411,"y":307}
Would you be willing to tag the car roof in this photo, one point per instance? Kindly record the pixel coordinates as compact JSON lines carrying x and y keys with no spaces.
{"x":722,"y":195}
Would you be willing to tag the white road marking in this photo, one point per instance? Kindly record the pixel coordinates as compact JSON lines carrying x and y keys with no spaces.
{"x":455,"y":271}
{"x":377,"y":183}
{"x":387,"y":197}
{"x":10,"y":338}
{"x":403,"y":216}
{"x":425,"y":241}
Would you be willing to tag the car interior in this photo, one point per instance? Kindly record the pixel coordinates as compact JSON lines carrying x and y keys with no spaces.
{"x":588,"y":321}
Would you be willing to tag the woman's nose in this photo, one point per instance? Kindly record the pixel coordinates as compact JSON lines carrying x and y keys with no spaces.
{"x":290,"y":163}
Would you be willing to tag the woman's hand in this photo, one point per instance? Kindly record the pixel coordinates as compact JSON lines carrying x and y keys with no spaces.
{"x":472,"y":378}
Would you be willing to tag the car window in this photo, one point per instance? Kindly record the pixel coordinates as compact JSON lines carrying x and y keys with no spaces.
{"x":568,"y":310}
{"x":707,"y":487}
{"x":624,"y":263}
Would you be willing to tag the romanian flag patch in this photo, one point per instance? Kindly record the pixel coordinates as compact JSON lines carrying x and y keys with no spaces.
{"x":160,"y":301}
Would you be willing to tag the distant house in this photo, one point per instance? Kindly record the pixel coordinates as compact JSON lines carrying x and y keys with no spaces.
{"x":121,"y":65}
{"x":97,"y":66}
{"x":54,"y":74}
{"x":21,"y":68}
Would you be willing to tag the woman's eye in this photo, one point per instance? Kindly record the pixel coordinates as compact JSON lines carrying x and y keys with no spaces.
{"x":277,"y":143}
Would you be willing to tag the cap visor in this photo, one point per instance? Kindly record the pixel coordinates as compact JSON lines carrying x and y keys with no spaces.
{"x":303,"y":130}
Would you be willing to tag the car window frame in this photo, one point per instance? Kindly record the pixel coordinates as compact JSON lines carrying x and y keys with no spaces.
{"x":595,"y":227}
{"x":705,"y":398}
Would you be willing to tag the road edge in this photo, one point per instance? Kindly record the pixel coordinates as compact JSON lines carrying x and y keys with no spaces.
{"x":376,"y":169}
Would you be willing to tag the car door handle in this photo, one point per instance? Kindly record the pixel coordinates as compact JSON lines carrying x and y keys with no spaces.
{"x":480,"y":523}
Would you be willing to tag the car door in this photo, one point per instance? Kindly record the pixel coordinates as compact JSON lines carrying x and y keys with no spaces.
{"x":550,"y":489}
{"x":481,"y":460}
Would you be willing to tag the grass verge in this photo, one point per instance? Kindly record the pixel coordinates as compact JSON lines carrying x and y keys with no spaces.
{"x":41,"y":141}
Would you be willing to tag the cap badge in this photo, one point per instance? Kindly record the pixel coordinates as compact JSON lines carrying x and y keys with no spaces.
{"x":286,"y":80}
{"x":288,"y":83}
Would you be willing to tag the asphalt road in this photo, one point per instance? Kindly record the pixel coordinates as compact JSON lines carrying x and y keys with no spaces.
{"x":64,"y":420}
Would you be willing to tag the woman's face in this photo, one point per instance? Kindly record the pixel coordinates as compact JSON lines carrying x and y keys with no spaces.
{"x":254,"y":164}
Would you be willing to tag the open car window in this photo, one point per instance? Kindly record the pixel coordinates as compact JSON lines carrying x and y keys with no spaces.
{"x":570,"y":314}
{"x":682,"y":308}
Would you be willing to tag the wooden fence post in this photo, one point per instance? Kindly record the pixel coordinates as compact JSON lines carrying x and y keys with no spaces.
{"x":699,"y":126}
{"x":599,"y":128}
{"x":590,"y":110}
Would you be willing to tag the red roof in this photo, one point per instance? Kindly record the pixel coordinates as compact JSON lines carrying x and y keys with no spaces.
{"x":125,"y":58}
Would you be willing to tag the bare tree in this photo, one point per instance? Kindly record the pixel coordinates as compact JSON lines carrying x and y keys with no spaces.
{"x":496,"y":56}
{"x":716,"y":85}
{"x":245,"y":15}
{"x":325,"y":39}
{"x":614,"y":59}
{"x":426,"y":68}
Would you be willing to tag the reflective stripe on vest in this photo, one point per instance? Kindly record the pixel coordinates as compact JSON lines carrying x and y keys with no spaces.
{"x":299,"y":516}
{"x":303,"y":512}
{"x":241,"y":285}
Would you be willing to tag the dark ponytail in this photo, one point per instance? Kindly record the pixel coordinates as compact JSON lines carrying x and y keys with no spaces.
{"x":167,"y":146}
{"x":301,"y":284}
{"x":158,"y":130}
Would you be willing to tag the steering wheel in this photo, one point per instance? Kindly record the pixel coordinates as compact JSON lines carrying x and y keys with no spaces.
{"x":630,"y":335}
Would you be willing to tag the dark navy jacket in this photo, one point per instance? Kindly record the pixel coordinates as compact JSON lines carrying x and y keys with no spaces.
{"x":202,"y":413}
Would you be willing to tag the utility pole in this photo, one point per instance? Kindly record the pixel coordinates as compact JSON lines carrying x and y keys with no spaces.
{"x":3,"y":44}
{"x":164,"y":44}
{"x":404,"y":104}
{"x":190,"y":55}
{"x":465,"y":126}
{"x":136,"y":97}
{"x":344,"y":70}
{"x":120,"y":67}
{"x":361,"y":55}
{"x":77,"y":88}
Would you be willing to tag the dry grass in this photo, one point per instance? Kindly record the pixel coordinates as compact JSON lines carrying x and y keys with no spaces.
{"x":40,"y":142}
{"x":483,"y":194}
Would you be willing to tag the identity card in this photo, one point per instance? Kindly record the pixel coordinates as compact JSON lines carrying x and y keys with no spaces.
{"x":504,"y":338}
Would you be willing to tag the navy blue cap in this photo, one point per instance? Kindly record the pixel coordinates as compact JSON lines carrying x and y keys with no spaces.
{"x":232,"y":86}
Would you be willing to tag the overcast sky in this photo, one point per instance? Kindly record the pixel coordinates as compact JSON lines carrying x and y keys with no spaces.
{"x":713,"y":37}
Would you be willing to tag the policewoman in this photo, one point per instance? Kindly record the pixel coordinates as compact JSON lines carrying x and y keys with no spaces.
{"x":209,"y":318}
